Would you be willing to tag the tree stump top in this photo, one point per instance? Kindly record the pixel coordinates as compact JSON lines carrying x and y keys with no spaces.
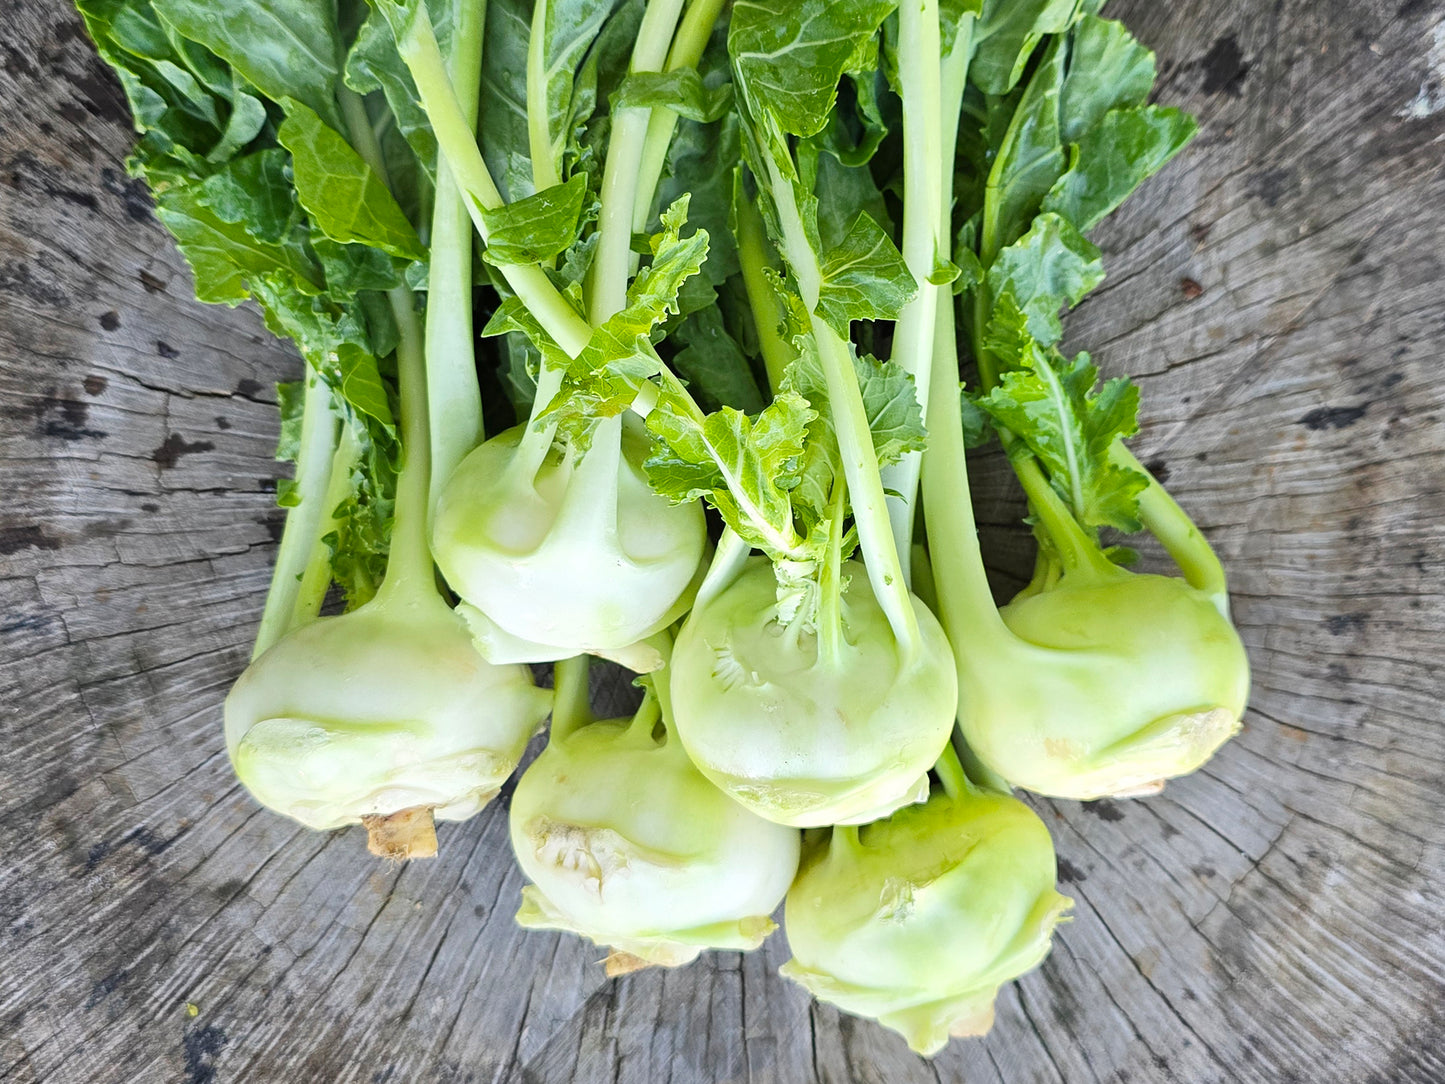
{"x":1277,"y":293}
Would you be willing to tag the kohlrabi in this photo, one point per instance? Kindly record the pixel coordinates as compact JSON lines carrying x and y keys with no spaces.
{"x":917,"y":920}
{"x":627,"y":844}
{"x":551,"y":534}
{"x":385,"y":715}
{"x":1094,"y":681}
{"x":816,"y":690}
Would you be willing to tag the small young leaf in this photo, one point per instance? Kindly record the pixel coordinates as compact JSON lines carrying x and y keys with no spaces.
{"x":863,"y":278}
{"x":536,"y":228}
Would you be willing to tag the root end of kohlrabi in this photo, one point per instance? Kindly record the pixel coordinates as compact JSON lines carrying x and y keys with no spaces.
{"x":403,"y":835}
{"x":624,"y":963}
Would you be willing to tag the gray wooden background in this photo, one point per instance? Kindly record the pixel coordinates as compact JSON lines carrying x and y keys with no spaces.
{"x":1279,"y":293}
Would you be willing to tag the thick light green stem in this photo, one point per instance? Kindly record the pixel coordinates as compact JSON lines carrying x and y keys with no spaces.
{"x":305,"y":522}
{"x":607,"y":282}
{"x":925,"y":236}
{"x":965,"y":603}
{"x":454,"y":398}
{"x":687,"y":49}
{"x":571,"y":702}
{"x":539,"y":134}
{"x":418,"y":47}
{"x":408,"y":565}
{"x":1171,"y":525}
{"x":317,"y":579}
{"x":850,"y":419}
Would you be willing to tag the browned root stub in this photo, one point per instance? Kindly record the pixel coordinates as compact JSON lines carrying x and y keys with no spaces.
{"x":407,"y":833}
{"x":623,"y":963}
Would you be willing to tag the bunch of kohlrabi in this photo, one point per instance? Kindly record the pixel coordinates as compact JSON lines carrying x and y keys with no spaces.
{"x":707,"y":269}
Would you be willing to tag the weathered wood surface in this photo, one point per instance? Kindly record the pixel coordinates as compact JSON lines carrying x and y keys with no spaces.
{"x":1276,"y":918}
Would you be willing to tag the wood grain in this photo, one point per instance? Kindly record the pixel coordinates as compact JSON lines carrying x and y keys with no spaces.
{"x":1276,"y":918}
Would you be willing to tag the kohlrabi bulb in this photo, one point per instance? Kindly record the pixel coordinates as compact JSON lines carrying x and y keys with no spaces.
{"x":800,"y":734}
{"x":1117,"y":684}
{"x":385,"y":709}
{"x":576,"y":554}
{"x":627,"y":844}
{"x":917,"y":920}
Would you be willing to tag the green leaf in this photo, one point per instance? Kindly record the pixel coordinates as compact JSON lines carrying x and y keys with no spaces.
{"x":1051,"y":405}
{"x":255,"y":193}
{"x":745,"y":466}
{"x":1048,"y":269}
{"x":863,"y":278}
{"x":290,"y":397}
{"x":1007,"y":33}
{"x":681,"y":90}
{"x":790,"y":55}
{"x":347,"y":201}
{"x":1114,"y":158}
{"x":536,"y":228}
{"x":1108,"y":70}
{"x":1031,"y":157}
{"x":890,"y":400}
{"x":225,"y":257}
{"x":701,"y":163}
{"x":285,"y":48}
{"x":951,"y":14}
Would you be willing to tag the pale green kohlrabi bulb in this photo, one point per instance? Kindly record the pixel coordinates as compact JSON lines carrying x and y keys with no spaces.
{"x":796,"y":735}
{"x":1112,"y":686}
{"x":917,"y":920}
{"x":377,"y":712}
{"x":627,"y":844}
{"x":575,"y":554}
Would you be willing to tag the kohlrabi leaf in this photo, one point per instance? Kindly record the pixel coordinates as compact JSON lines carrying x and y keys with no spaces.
{"x":285,"y":48}
{"x":744,"y":465}
{"x":790,"y":55}
{"x":701,"y":163}
{"x":1006,"y":35}
{"x":224,"y":256}
{"x":951,"y":14}
{"x":536,"y":228}
{"x":569,"y":30}
{"x":253,"y":192}
{"x":1052,"y":406}
{"x":682,"y":90}
{"x":863,"y":278}
{"x":1048,"y":269}
{"x":1031,"y":157}
{"x":1114,"y":157}
{"x":347,"y":201}
{"x":890,"y":400}
{"x":1108,"y":70}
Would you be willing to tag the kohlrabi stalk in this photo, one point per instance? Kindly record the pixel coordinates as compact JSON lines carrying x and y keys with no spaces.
{"x":855,"y":441}
{"x":607,"y":278}
{"x":925,"y":235}
{"x":686,"y":52}
{"x":454,"y":400}
{"x":752,"y":242}
{"x":288,"y":604}
{"x":624,"y":841}
{"x":539,"y":135}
